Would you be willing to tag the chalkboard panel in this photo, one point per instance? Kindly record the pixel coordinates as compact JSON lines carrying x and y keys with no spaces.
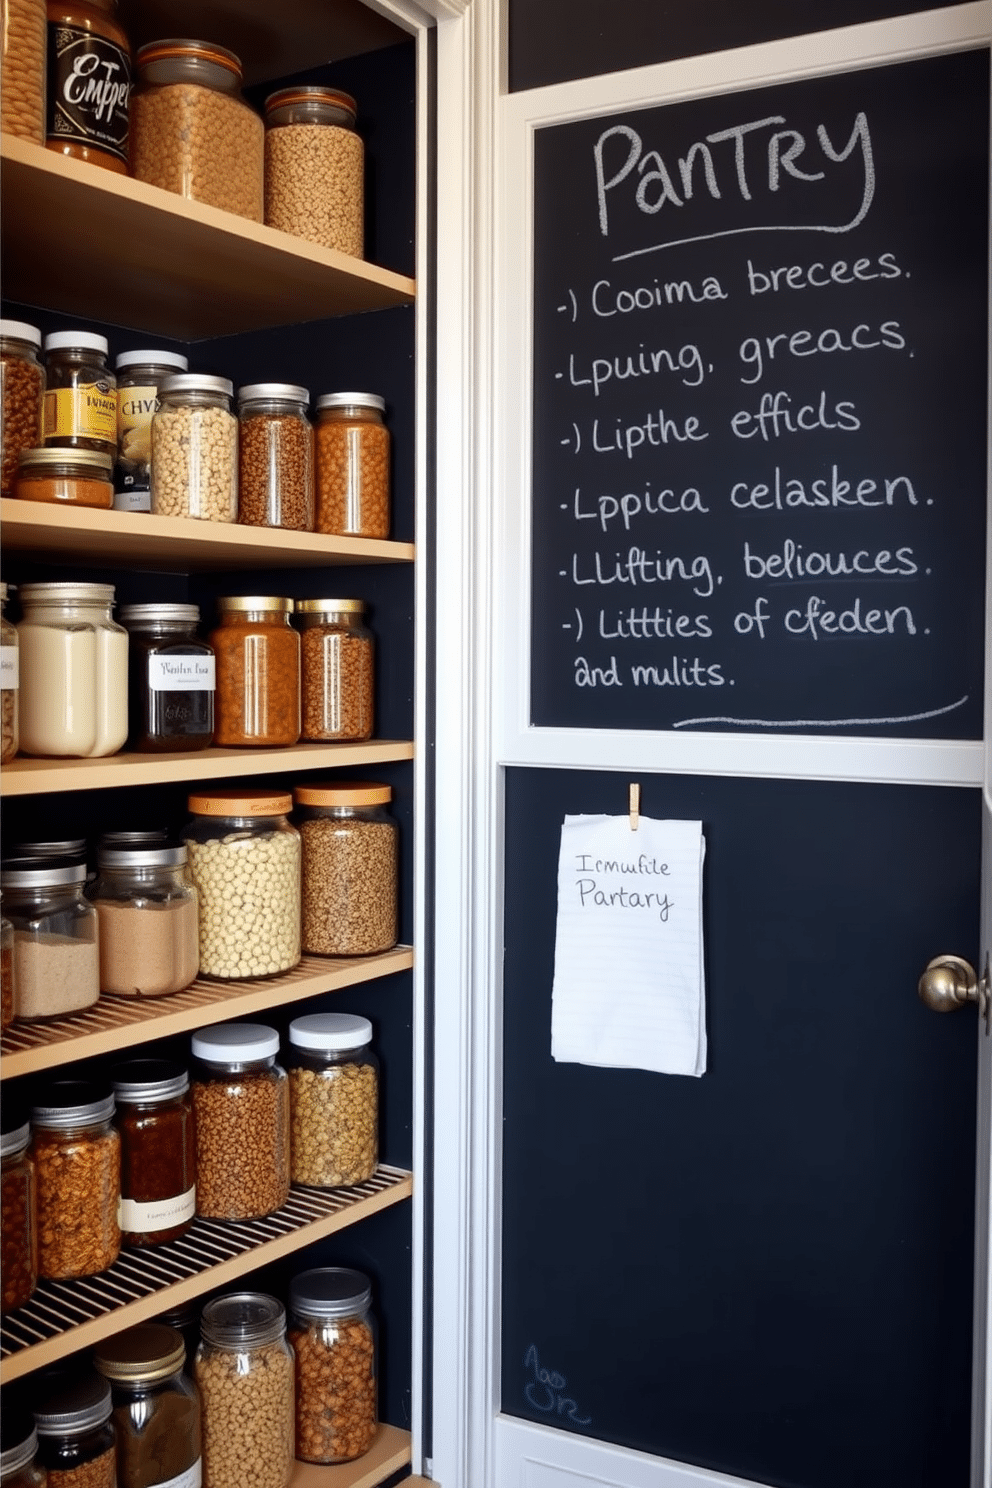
{"x":760,"y":405}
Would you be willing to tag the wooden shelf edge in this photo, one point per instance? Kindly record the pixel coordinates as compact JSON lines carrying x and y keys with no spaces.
{"x":391,"y":1450}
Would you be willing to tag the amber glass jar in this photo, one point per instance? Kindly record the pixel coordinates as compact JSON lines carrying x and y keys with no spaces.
{"x":158,"y":1154}
{"x":85,"y":38}
{"x":18,"y":1230}
{"x":22,"y":393}
{"x":258,"y":672}
{"x":352,"y":466}
{"x":338,"y":671}
{"x":156,"y":1408}
{"x":275,"y":474}
{"x":80,"y":393}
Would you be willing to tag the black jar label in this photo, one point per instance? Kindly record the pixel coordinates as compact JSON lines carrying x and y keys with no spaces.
{"x":89,"y":83}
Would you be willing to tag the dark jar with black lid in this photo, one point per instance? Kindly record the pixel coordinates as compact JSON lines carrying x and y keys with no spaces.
{"x":76,"y":1438}
{"x":171,"y":678}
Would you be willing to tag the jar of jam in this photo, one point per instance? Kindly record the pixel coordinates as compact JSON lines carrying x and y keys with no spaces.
{"x":171,"y":677}
{"x":158,"y":1155}
{"x":18,"y":1465}
{"x":76,"y":1438}
{"x":139,"y":376}
{"x":156,"y":1407}
{"x":22,"y":70}
{"x":77,"y":1158}
{"x":241,"y":1105}
{"x":350,"y":860}
{"x":244,"y":1370}
{"x":353,"y":497}
{"x":22,"y":394}
{"x":9,"y":683}
{"x":275,"y":473}
{"x":337,"y":653}
{"x":314,"y":167}
{"x":56,"y":956}
{"x":77,"y":477}
{"x":85,"y":38}
{"x":195,"y":449}
{"x":333,"y":1335}
{"x":258,"y":671}
{"x":80,"y":393}
{"x":334,"y":1100}
{"x":19,"y":1220}
{"x":73,"y":695}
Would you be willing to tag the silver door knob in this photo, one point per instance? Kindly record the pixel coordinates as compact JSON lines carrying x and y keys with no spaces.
{"x":950,"y":982}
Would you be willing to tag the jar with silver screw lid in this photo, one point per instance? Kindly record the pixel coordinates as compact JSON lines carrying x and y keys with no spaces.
{"x":275,"y":472}
{"x":77,"y":1158}
{"x":19,"y":1227}
{"x":19,"y":1467}
{"x":76,"y":1437}
{"x":139,"y":376}
{"x":333,"y":1335}
{"x":80,"y":393}
{"x":195,"y":449}
{"x":171,"y":679}
{"x":353,"y":452}
{"x":158,"y":1151}
{"x":56,"y":952}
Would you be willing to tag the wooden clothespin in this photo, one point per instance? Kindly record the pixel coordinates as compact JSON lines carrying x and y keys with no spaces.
{"x":634,"y":806}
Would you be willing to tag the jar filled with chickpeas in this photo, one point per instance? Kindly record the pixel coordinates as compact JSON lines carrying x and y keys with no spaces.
{"x":338,"y":674}
{"x":275,"y":486}
{"x":192,"y":131}
{"x":314,"y":167}
{"x":18,"y":1213}
{"x":76,"y":1437}
{"x":195,"y":449}
{"x":19,"y":1467}
{"x":258,"y":672}
{"x":22,"y":394}
{"x":333,"y":1334}
{"x":22,"y":69}
{"x":77,"y":1158}
{"x":353,"y":497}
{"x":244,"y":1370}
{"x":350,"y":868}
{"x":334,"y":1100}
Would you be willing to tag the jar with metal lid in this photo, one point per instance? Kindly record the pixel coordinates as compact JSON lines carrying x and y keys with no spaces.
{"x":139,"y":375}
{"x":76,"y":477}
{"x":314,"y":167}
{"x":171,"y":679}
{"x":192,"y":132}
{"x":244,"y":1370}
{"x":18,"y":1214}
{"x":352,"y":465}
{"x":147,"y":909}
{"x":9,"y":683}
{"x":88,"y":119}
{"x":6,"y":973}
{"x":73,"y":848}
{"x":77,"y":1158}
{"x":156,"y":1408}
{"x":22,"y":69}
{"x":56,"y":955}
{"x":334,"y":1100}
{"x":22,"y":395}
{"x":258,"y":671}
{"x":241,"y":1109}
{"x":73,"y":696}
{"x":195,"y":449}
{"x":80,"y":393}
{"x":18,"y":1465}
{"x":350,"y":868}
{"x":275,"y":480}
{"x":76,"y":1439}
{"x":158,"y":1153}
{"x":333,"y":1335}
{"x":186,"y":1320}
{"x":338,"y":673}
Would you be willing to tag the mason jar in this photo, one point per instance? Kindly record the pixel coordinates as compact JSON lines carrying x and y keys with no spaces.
{"x":241,"y":1109}
{"x":171,"y":679}
{"x":22,"y":396}
{"x":275,"y":472}
{"x":76,"y":1439}
{"x":86,"y":123}
{"x":258,"y":672}
{"x":139,"y":375}
{"x":353,"y":497}
{"x":70,"y":477}
{"x":147,"y":908}
{"x":244,"y":1371}
{"x":337,"y":670}
{"x":158,"y":1151}
{"x":334,"y":1100}
{"x":333,"y":1334}
{"x":18,"y":1214}
{"x":9,"y":683}
{"x":156,"y":1408}
{"x":19,"y":1467}
{"x":350,"y":868}
{"x":195,"y":449}
{"x":315,"y":167}
{"x":73,"y":694}
{"x":56,"y":951}
{"x":80,"y":393}
{"x":77,"y":1158}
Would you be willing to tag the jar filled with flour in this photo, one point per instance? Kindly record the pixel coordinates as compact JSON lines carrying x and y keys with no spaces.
{"x":73,"y":669}
{"x":56,"y":957}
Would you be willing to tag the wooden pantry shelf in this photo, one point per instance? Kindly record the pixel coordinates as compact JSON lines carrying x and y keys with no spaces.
{"x":179,"y":268}
{"x":115,"y":1023}
{"x":390,"y":1452}
{"x":64,"y":1316}
{"x":177,"y":544}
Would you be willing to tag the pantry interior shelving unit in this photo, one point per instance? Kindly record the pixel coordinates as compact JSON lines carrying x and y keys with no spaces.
{"x":251,"y":303}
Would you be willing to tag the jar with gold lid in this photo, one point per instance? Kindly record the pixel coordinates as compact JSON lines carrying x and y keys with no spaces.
{"x":76,"y":1438}
{"x":89,"y":83}
{"x":156,"y":1407}
{"x":19,"y":1467}
{"x":258,"y":671}
{"x":72,"y":477}
{"x":19,"y":1227}
{"x":337,"y":681}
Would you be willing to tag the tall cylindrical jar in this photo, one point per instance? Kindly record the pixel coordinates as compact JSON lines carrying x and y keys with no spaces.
{"x":171,"y":679}
{"x":314,"y":168}
{"x":56,"y":955}
{"x":275,"y":480}
{"x":9,"y":684}
{"x":241,"y":1106}
{"x":22,"y":69}
{"x":192,"y":132}
{"x":258,"y":671}
{"x":18,"y":1215}
{"x":19,"y":1467}
{"x":139,"y":375}
{"x":158,"y":1151}
{"x":76,"y":1441}
{"x":244,"y":1371}
{"x":333,"y":1334}
{"x":77,"y":1158}
{"x":334,"y":1100}
{"x":88,"y":120}
{"x":338,"y":672}
{"x":22,"y":396}
{"x":353,"y":498}
{"x":195,"y":449}
{"x":350,"y":868}
{"x":73,"y":695}
{"x":156,"y":1408}
{"x":147,"y":908}
{"x":80,"y":393}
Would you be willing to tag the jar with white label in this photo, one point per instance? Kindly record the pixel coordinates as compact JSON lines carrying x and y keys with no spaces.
{"x":139,"y":375}
{"x":158,"y":1151}
{"x":73,"y":696}
{"x":170,"y":679}
{"x":8,"y":683}
{"x":80,"y":393}
{"x":156,"y":1408}
{"x":147,"y":911}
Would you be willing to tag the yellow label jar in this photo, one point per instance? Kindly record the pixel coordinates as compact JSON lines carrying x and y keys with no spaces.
{"x":80,"y":394}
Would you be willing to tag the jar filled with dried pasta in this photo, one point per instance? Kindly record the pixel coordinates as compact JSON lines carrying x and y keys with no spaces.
{"x":80,"y":393}
{"x":350,"y":868}
{"x":84,"y":121}
{"x":314,"y":167}
{"x":353,"y":498}
{"x":156,"y":1408}
{"x":192,"y":131}
{"x":9,"y":682}
{"x":56,"y":954}
{"x":334,"y":1100}
{"x":19,"y":1467}
{"x":241,"y":1110}
{"x":244,"y":1371}
{"x":338,"y":672}
{"x":77,"y":1158}
{"x":195,"y":449}
{"x":76,"y":1438}
{"x":258,"y":671}
{"x":333,"y":1334}
{"x":22,"y":396}
{"x":275,"y":477}
{"x":70,"y":477}
{"x":18,"y":1219}
{"x":22,"y":69}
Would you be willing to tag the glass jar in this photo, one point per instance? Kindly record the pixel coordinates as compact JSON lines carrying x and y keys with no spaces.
{"x":9,"y":683}
{"x":333,"y":1335}
{"x":275,"y":478}
{"x":23,"y":34}
{"x":334,"y":1100}
{"x":147,"y":908}
{"x":78,"y":477}
{"x":56,"y":955}
{"x":77,"y":1158}
{"x":241,"y":1109}
{"x":171,"y":678}
{"x":85,"y":37}
{"x":22,"y":396}
{"x":80,"y":393}
{"x":76,"y":1441}
{"x":158,"y":1153}
{"x":244,"y":1370}
{"x":352,"y":465}
{"x":7,"y":995}
{"x":18,"y":1468}
{"x":244,"y":857}
{"x":156,"y":1408}
{"x":18,"y":1215}
{"x":139,"y":375}
{"x":73,"y":848}
{"x":314,"y":167}
{"x":193,"y":133}
{"x":74,"y":663}
{"x":350,"y":868}
{"x":186,"y":1320}
{"x":258,"y":671}
{"x":337,"y":669}
{"x":195,"y":449}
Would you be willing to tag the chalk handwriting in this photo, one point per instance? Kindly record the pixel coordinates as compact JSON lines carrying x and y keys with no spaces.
{"x":544,"y":1391}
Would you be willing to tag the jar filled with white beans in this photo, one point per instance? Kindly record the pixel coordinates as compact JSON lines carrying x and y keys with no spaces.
{"x":244,"y":858}
{"x":195,"y":449}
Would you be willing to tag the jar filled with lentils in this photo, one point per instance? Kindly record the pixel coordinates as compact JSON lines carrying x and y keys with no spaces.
{"x":244,"y":1371}
{"x":334,"y":1100}
{"x":195,"y":449}
{"x":192,"y":132}
{"x":314,"y":167}
{"x":258,"y":671}
{"x":77,"y":1158}
{"x":333,"y":1334}
{"x":275,"y":480}
{"x":350,"y":868}
{"x":18,"y":1214}
{"x":22,"y":395}
{"x":22,"y":69}
{"x":80,"y":407}
{"x":19,"y":1467}
{"x":241,"y":1109}
{"x":338,"y":671}
{"x":76,"y":1438}
{"x":353,"y":497}
{"x":9,"y":683}
{"x":156,"y":1408}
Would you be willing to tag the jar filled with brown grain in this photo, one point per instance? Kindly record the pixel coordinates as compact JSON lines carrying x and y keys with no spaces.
{"x":241,"y":1111}
{"x":18,"y":1213}
{"x":77,"y":1158}
{"x":353,"y":497}
{"x":158,"y":1152}
{"x":87,"y":121}
{"x":338,"y":669}
{"x":19,"y":1467}
{"x":22,"y":69}
{"x":56,"y":954}
{"x":147,"y":910}
{"x":80,"y":393}
{"x":333,"y":1334}
{"x":244,"y":1371}
{"x":156,"y":1408}
{"x":275,"y":474}
{"x":139,"y":376}
{"x":315,"y":167}
{"x":191,"y":130}
{"x":171,"y":679}
{"x":10,"y":676}
{"x":350,"y":868}
{"x":334,"y":1100}
{"x":195,"y":449}
{"x":76,"y":1438}
{"x":258,"y":671}
{"x":22,"y":396}
{"x":70,"y":477}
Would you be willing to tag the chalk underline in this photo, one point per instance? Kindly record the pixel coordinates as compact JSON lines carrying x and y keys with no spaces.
{"x":822,"y":722}
{"x":734,"y":232}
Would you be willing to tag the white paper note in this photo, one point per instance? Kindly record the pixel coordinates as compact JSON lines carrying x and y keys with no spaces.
{"x":629,"y":985}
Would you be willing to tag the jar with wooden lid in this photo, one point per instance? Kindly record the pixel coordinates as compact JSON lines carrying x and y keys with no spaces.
{"x":73,"y":660}
{"x":156,"y":1407}
{"x":158,"y":1153}
{"x":146,"y":908}
{"x":72,"y":477}
{"x":56,"y":956}
{"x":80,"y":393}
{"x":353,"y":496}
{"x":77,"y":1158}
{"x":9,"y":684}
{"x":258,"y":671}
{"x":244,"y":1370}
{"x":241,"y":1106}
{"x":23,"y":36}
{"x":139,"y":376}
{"x":192,"y":131}
{"x":89,"y":83}
{"x":338,"y":673}
{"x":334,"y":1100}
{"x":19,"y":1467}
{"x":19,"y":1218}
{"x":195,"y":449}
{"x":171,"y":679}
{"x":275,"y":440}
{"x":315,"y":167}
{"x":22,"y":395}
{"x":333,"y":1334}
{"x":350,"y":868}
{"x":76,"y":1438}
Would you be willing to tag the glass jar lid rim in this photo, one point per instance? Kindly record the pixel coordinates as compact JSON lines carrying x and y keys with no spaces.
{"x":329,"y":1292}
{"x":181,"y":46}
{"x":290,"y":391}
{"x":235,"y":1043}
{"x":240,"y":603}
{"x":19,"y":1454}
{"x":348,"y":400}
{"x":241,"y":803}
{"x":142,"y":1081}
{"x":80,"y":592}
{"x":168,"y":856}
{"x":15,"y":1140}
{"x":84,"y":340}
{"x":46,"y":457}
{"x":196,"y":382}
{"x":143,"y":1354}
{"x":78,"y":1405}
{"x":67,"y":847}
{"x":330,"y":606}
{"x":330,"y":1031}
{"x":138,"y":612}
{"x":153,"y":356}
{"x":242,"y":1318}
{"x":311,"y":93}
{"x":20,"y":330}
{"x":83,"y":1105}
{"x":347,"y":793}
{"x":37,"y":873}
